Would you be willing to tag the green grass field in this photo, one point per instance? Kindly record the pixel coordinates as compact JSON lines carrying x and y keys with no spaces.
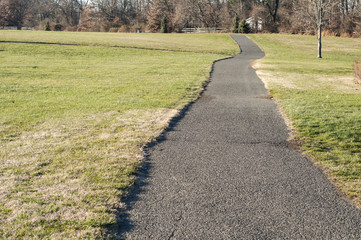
{"x":200,"y":43}
{"x":74,"y":119}
{"x":320,"y":98}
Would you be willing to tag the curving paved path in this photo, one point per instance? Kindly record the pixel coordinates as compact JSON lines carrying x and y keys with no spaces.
{"x":225,"y":171}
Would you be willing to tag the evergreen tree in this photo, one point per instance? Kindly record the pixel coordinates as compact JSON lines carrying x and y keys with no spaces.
{"x":244,"y":27}
{"x":235,"y":24}
{"x":164,"y":25}
{"x":47,"y":26}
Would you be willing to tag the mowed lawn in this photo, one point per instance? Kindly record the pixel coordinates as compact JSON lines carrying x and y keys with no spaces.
{"x":320,"y":98}
{"x":74,"y":119}
{"x":201,"y":43}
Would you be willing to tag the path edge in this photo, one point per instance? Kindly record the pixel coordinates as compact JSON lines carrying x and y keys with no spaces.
{"x":142,"y":168}
{"x":295,"y":142}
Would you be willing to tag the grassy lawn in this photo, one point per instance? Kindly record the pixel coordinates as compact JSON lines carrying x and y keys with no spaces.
{"x":74,"y":119}
{"x":200,"y":43}
{"x":321,"y":100}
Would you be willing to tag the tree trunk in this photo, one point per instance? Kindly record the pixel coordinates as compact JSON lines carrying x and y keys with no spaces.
{"x":319,"y":38}
{"x":275,"y":11}
{"x":319,"y":5}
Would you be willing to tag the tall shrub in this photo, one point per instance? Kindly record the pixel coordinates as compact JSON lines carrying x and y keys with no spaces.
{"x":164,"y":25}
{"x":244,"y":27}
{"x":47,"y":26}
{"x":235,"y":24}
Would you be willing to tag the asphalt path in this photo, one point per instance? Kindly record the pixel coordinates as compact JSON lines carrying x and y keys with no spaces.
{"x":224,"y":170}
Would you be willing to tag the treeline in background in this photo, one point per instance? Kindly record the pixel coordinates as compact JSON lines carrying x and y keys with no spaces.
{"x":340,"y":17}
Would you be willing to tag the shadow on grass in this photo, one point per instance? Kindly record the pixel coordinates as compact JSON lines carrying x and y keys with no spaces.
{"x":141,"y":184}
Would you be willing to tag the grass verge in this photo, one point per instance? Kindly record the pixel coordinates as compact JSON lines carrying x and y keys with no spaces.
{"x":321,"y":100}
{"x":74,"y":119}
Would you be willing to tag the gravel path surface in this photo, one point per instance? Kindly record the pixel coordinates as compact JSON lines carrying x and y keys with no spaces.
{"x":224,"y":171}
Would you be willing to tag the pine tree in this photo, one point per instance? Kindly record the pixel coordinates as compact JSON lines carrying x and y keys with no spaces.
{"x":47,"y":26}
{"x":235,"y":24}
{"x":164,"y":25}
{"x":244,"y":27}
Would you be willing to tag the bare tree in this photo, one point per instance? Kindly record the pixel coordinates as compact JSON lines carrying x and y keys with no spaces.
{"x":272,"y":7}
{"x":319,"y":6}
{"x":71,"y":10}
{"x":90,"y":20}
{"x":313,"y":11}
{"x":15,"y":12}
{"x":45,"y":9}
{"x":337,"y":17}
{"x":159,"y":10}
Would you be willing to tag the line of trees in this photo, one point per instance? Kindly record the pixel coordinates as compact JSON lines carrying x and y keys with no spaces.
{"x":334,"y":17}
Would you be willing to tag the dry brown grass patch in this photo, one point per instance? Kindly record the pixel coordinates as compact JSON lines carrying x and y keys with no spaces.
{"x":273,"y":78}
{"x":84,"y":162}
{"x":304,"y":81}
{"x":357,"y":70}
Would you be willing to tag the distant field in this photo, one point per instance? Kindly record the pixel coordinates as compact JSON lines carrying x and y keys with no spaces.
{"x":202,"y":43}
{"x":74,"y":119}
{"x":320,"y":98}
